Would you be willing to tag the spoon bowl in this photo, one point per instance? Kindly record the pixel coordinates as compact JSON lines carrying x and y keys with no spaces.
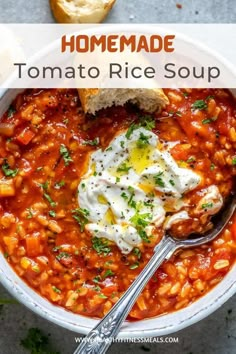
{"x":219,"y":221}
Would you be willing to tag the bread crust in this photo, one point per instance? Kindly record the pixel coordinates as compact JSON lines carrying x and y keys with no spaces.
{"x":84,"y":95}
{"x":87,"y":95}
{"x":63,"y":15}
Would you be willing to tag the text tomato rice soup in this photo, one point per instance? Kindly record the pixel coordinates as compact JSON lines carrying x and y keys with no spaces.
{"x":84,"y":199}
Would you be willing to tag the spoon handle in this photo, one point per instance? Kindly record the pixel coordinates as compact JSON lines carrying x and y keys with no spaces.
{"x":100,"y":338}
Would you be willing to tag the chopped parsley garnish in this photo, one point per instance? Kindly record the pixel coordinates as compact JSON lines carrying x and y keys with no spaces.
{"x":175,"y":113}
{"x":56,"y":248}
{"x":44,"y":185}
{"x":148,"y":204}
{"x":146,"y":122}
{"x":97,"y":279}
{"x":54,"y":288}
{"x":65,"y":154}
{"x":130,"y":130}
{"x":158,"y":180}
{"x":93,"y":142}
{"x":83,"y":185}
{"x":37,"y":343}
{"x":10,"y":112}
{"x":97,"y":288}
{"x":130,"y":189}
{"x":123,"y":168}
{"x":30,"y":214}
{"x":207,"y":205}
{"x":101,"y":246}
{"x":117,"y":179}
{"x":60,"y":184}
{"x":122,"y":144}
{"x":234,"y":161}
{"x":124,"y":196}
{"x":137,"y":252}
{"x":81,"y":216}
{"x":212,"y":167}
{"x":134,"y":265}
{"x":207,"y":121}
{"x":191,"y":159}
{"x":8,"y":171}
{"x":142,"y":233}
{"x":131,"y":201}
{"x":171,"y":113}
{"x":62,"y":255}
{"x":108,"y":273}
{"x":185,"y":94}
{"x":142,"y":140}
{"x":140,"y":221}
{"x":172,"y":182}
{"x":49,"y":199}
{"x":178,"y":113}
{"x":102,"y":296}
{"x":199,"y":104}
{"x":109,"y":149}
{"x":52,"y":213}
{"x":108,"y":263}
{"x":209,"y":97}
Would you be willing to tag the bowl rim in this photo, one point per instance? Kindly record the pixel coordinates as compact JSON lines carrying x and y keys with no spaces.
{"x":128,"y":330}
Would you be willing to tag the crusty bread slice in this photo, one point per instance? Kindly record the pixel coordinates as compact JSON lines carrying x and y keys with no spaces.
{"x":149,"y":100}
{"x":81,"y":11}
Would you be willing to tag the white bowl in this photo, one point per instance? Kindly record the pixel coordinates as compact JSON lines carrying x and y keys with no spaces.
{"x":157,"y":326}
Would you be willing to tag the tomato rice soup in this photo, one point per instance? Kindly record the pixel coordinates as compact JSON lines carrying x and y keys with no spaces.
{"x":84,"y":199}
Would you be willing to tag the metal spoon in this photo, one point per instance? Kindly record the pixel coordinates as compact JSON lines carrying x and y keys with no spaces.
{"x":100,"y":338}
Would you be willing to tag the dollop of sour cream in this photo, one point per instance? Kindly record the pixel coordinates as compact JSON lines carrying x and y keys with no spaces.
{"x":130,"y":186}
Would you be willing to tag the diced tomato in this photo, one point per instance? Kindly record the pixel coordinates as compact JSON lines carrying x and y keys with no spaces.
{"x":25,"y":136}
{"x":109,"y":290}
{"x":33,"y":246}
{"x":179,"y":152}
